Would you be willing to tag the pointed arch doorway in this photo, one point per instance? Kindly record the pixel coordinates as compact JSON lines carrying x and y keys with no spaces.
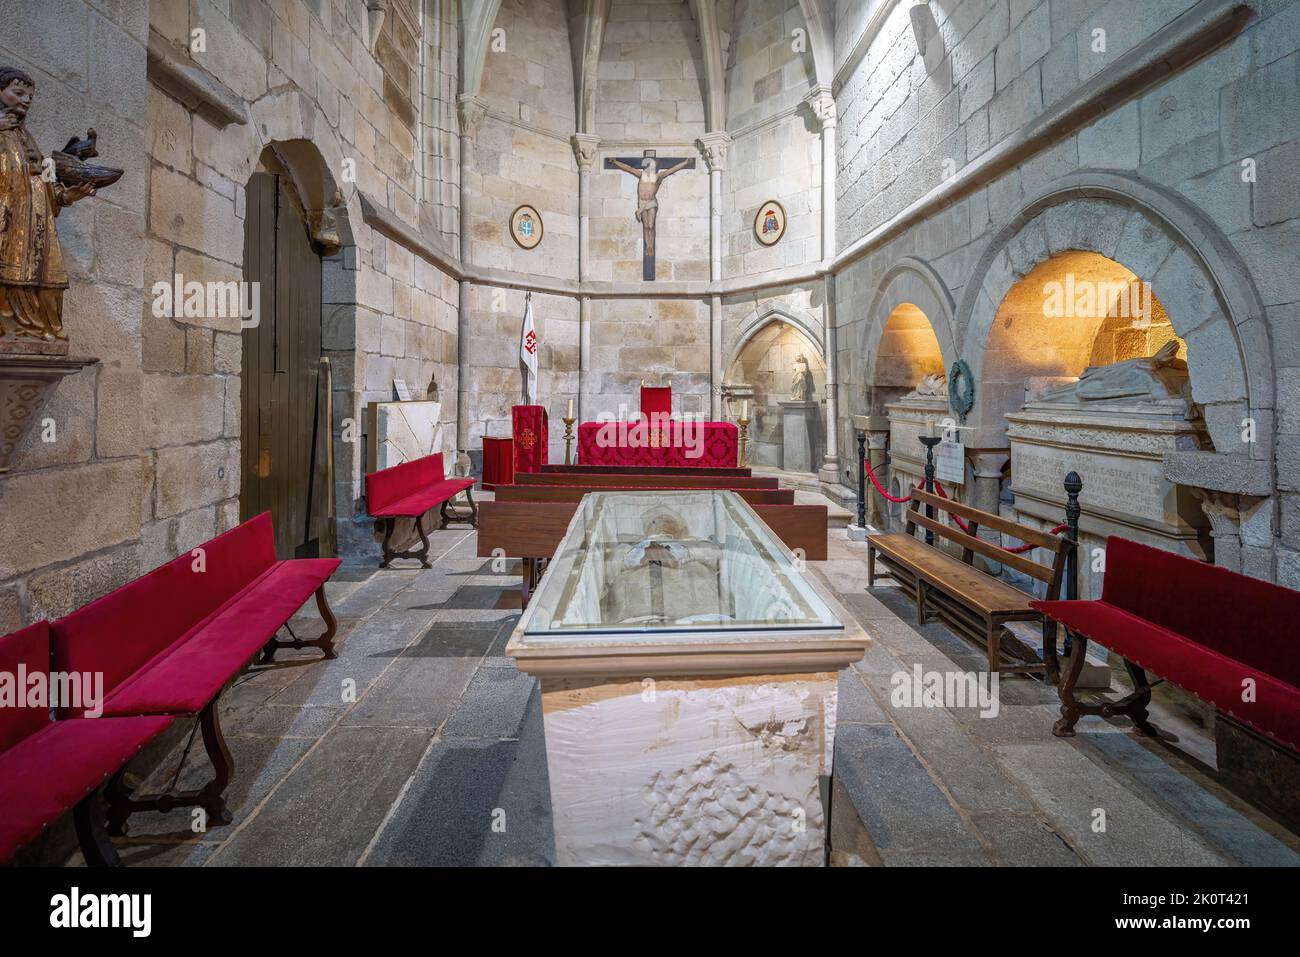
{"x":281,"y":361}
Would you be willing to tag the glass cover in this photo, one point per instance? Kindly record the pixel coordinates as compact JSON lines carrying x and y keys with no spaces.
{"x":637,"y":563}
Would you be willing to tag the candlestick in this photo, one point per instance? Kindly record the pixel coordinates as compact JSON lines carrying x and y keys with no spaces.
{"x":744,"y":437}
{"x":568,"y":435}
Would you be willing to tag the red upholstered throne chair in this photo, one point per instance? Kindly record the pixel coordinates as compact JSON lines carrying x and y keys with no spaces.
{"x":656,"y":400}
{"x":529,"y":429}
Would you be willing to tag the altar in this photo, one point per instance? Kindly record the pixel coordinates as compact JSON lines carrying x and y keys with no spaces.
{"x":656,"y":439}
{"x":689,"y":671}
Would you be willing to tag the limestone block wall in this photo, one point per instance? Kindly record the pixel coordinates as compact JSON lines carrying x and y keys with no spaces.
{"x":70,"y":508}
{"x":649,"y":87}
{"x":651,"y":339}
{"x":492,"y":363}
{"x":1207,"y":146}
{"x":777,"y":150}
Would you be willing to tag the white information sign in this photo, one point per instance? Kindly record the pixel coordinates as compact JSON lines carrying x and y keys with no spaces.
{"x":950,"y":463}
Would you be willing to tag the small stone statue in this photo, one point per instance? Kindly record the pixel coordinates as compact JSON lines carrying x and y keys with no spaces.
{"x":935,"y":384}
{"x":431,"y":394}
{"x":1161,"y":376}
{"x":801,"y":383}
{"x":32,"y":192}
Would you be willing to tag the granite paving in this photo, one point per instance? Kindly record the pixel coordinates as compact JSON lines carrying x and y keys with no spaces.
{"x":422,"y":744}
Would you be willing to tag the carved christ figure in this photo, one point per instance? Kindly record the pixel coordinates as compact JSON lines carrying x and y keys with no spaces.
{"x":647,"y":191}
{"x":32,"y":276}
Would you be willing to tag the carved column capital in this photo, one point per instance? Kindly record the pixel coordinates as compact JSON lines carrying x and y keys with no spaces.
{"x":713,"y":147}
{"x":470,"y":109}
{"x":822,"y":103}
{"x":584,"y":148}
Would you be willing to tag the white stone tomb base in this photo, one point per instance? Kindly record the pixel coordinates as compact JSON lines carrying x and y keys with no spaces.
{"x":682,"y":771}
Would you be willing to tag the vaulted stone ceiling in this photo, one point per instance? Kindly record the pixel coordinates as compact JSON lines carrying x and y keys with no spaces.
{"x":588,"y":21}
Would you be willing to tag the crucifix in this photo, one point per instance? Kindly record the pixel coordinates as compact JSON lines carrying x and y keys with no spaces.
{"x":646,"y":169}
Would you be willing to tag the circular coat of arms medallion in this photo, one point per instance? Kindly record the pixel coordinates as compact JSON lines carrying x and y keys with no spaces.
{"x":769,"y":224}
{"x":526,"y":226}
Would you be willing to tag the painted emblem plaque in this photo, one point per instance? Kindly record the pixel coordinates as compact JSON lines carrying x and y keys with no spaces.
{"x":769,"y":224}
{"x":526,"y":226}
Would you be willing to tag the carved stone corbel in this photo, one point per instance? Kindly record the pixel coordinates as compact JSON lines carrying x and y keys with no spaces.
{"x":26,"y":384}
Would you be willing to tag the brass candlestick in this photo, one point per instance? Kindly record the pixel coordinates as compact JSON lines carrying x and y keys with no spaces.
{"x":744,"y":441}
{"x":568,"y":439}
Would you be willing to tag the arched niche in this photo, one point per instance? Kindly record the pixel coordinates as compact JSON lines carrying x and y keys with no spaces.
{"x":761,"y":368}
{"x":1073,"y":310}
{"x":1159,"y":236}
{"x":911,"y":293}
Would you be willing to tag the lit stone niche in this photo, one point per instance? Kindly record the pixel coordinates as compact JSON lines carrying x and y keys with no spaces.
{"x":764,"y":369}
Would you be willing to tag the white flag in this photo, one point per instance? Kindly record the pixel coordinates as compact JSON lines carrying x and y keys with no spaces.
{"x":528,"y":352}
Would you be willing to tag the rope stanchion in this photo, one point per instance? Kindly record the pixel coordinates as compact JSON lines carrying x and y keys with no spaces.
{"x":881,"y":489}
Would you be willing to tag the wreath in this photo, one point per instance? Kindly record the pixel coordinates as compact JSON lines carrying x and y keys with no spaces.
{"x":961,"y":389}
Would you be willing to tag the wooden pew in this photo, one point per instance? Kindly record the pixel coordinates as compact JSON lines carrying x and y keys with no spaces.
{"x":533,"y":531}
{"x":973,"y":603}
{"x":640,"y":480}
{"x":574,"y":493}
{"x":743,"y":472}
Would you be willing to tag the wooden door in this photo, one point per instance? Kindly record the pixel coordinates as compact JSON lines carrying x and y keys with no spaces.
{"x":281,"y":361}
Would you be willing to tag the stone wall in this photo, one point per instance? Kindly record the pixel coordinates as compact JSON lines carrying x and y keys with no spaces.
{"x":72,"y":509}
{"x":1157,"y":184}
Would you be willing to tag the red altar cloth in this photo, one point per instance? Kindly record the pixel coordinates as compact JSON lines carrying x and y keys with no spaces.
{"x":529,"y":428}
{"x":702,"y":445}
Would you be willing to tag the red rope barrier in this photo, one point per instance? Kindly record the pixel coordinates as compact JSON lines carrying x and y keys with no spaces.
{"x":1018,"y":550}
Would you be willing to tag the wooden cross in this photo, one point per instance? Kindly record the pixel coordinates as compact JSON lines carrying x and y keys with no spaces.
{"x":647,"y":169}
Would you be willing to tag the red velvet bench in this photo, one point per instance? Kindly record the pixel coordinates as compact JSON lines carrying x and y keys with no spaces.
{"x":169,"y":642}
{"x":1198,"y":626}
{"x":410,"y":490}
{"x":48,"y":767}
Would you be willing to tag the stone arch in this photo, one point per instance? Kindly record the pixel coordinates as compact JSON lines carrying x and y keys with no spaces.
{"x":910,"y":281}
{"x":802,"y":322}
{"x":1163,"y":239}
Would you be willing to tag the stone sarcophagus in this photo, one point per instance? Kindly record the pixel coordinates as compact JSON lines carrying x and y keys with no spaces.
{"x":1116,"y":438}
{"x":689,"y":673}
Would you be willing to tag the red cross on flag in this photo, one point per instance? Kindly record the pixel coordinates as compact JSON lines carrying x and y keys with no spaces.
{"x":528,"y":352}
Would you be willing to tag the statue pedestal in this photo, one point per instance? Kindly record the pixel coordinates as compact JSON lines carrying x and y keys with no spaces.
{"x":800,"y":430}
{"x":26,"y":383}
{"x":1118,"y":449}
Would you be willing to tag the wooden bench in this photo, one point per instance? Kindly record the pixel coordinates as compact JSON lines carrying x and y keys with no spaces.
{"x":410,"y":490}
{"x":171,"y":641}
{"x":574,"y":493}
{"x":972,"y":602}
{"x":50,"y":767}
{"x":659,"y":470}
{"x":533,"y":530}
{"x":607,"y":479}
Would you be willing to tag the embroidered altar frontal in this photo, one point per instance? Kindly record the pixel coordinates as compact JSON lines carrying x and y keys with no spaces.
{"x":679,"y":444}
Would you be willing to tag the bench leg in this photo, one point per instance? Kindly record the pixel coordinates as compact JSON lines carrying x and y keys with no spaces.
{"x":993,"y":639}
{"x":1136,"y":705}
{"x":88,"y":817}
{"x":871,"y":567}
{"x":473,"y":509}
{"x":389,"y":524}
{"x":424,"y":542}
{"x":210,"y":797}
{"x":1071,"y":708}
{"x":920,"y":601}
{"x":325,"y":642}
{"x":1049,"y":651}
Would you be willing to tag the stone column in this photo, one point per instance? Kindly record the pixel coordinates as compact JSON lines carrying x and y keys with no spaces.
{"x":877,"y":429}
{"x":470,"y":110}
{"x":822,"y":104}
{"x":713,"y":147}
{"x":584,"y":151}
{"x":986,"y":495}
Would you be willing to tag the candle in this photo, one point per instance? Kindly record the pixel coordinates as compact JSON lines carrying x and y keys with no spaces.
{"x":744,"y":409}
{"x":570,"y":409}
{"x":930,"y":422}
